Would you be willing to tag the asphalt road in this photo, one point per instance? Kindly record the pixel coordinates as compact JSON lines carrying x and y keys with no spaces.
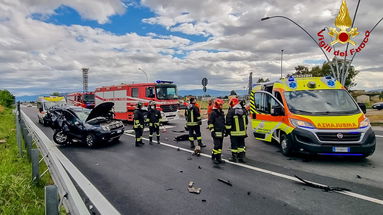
{"x":153,"y":179}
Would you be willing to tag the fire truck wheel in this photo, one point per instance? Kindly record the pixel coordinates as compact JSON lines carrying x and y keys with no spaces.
{"x":60,"y":137}
{"x":90,"y":140}
{"x":286,"y":146}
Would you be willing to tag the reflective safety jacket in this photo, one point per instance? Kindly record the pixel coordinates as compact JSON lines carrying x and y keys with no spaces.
{"x":139,"y":119}
{"x":193,"y":116}
{"x":153,"y":117}
{"x":236,"y":121}
{"x":216,"y":123}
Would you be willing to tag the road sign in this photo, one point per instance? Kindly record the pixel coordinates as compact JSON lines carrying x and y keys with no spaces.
{"x":204,"y":82}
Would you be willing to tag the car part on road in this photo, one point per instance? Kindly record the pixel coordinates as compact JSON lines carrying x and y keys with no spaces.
{"x":225,"y":182}
{"x":323,"y":187}
{"x":183,"y":137}
{"x":193,"y":189}
{"x":197,"y":151}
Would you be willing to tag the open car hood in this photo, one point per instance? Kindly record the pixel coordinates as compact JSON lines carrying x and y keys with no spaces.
{"x":101,"y":110}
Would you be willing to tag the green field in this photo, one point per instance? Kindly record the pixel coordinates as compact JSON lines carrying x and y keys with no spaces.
{"x":18,"y":195}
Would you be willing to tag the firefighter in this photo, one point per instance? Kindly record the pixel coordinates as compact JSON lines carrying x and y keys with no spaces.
{"x":216,"y":124}
{"x":236,"y":126}
{"x":153,"y":119}
{"x":193,"y":123}
{"x":138,"y":125}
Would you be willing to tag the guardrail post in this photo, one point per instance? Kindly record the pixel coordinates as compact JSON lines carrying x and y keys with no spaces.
{"x":18,"y":134}
{"x":35,"y":165}
{"x":51,"y":200}
{"x":28,"y":145}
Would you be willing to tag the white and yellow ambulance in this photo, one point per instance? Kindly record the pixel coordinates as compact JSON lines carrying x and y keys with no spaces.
{"x":310,"y":114}
{"x":44,"y":103}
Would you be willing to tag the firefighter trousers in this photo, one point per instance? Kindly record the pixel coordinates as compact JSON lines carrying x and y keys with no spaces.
{"x":195,"y":134}
{"x":217,"y":150}
{"x":152,"y":130}
{"x":138,"y":133}
{"x":238,"y":145}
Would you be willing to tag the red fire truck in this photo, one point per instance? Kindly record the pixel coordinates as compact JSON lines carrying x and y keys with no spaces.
{"x":85,"y":100}
{"x":126,"y":97}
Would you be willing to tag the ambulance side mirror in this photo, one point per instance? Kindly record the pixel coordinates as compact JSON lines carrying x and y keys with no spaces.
{"x":362,"y":107}
{"x":277,"y":110}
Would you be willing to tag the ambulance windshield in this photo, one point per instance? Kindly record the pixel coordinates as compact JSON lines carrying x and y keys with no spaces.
{"x":166,"y":92}
{"x":321,"y":102}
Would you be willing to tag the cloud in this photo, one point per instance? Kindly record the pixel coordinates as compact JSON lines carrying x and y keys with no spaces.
{"x":40,"y":57}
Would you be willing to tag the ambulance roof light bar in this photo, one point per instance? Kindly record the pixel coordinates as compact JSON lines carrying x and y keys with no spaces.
{"x":164,"y":82}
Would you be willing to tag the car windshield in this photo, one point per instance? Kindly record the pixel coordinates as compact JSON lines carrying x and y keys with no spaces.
{"x":321,"y":102}
{"x":89,"y":98}
{"x":82,"y":114}
{"x":166,"y":92}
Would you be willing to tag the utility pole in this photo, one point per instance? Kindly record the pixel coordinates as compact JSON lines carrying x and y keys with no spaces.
{"x":250,"y":82}
{"x":85,"y":79}
{"x":281,"y":63}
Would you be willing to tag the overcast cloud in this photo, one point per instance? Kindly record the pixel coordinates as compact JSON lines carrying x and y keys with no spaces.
{"x":39,"y":57}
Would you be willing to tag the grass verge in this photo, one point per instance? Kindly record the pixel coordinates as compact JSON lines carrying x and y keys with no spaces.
{"x":18,"y":195}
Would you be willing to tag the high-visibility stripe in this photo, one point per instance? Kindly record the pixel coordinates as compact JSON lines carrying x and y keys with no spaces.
{"x":218,"y":134}
{"x":191,"y":138}
{"x":210,"y":126}
{"x":234,"y":150}
{"x":228,"y":127}
{"x":199,"y":138}
{"x":236,"y":122}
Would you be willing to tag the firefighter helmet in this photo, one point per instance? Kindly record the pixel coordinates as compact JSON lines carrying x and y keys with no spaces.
{"x":233,"y":101}
{"x":218,"y":103}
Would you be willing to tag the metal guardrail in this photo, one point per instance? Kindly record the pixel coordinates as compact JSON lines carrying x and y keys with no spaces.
{"x":62,"y":172}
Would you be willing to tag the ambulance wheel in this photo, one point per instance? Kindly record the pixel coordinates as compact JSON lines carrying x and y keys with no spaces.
{"x":286,"y":146}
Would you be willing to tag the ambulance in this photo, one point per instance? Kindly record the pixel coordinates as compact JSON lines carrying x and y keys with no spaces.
{"x":126,"y":97}
{"x":44,"y":103}
{"x":311,"y":115}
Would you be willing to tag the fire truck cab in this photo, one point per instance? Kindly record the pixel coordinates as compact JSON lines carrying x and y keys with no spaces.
{"x":84,"y":100}
{"x":311,"y":114}
{"x":126,"y":97}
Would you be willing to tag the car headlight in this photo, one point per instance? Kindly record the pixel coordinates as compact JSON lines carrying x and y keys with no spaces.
{"x":105,"y":128}
{"x":364,"y":123}
{"x":301,"y":123}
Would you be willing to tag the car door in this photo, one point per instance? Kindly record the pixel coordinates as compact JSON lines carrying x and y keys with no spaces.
{"x":268,"y":116}
{"x":74,"y":125}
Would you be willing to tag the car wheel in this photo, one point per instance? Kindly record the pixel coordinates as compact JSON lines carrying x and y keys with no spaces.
{"x":90,"y":140}
{"x":286,"y":145}
{"x":60,"y":137}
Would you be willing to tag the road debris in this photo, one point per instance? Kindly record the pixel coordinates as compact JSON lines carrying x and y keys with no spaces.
{"x":178,"y":149}
{"x":199,"y":167}
{"x":183,"y":137}
{"x":197,"y":151}
{"x":169,"y":189}
{"x":358,"y":176}
{"x":325,"y":188}
{"x":190,"y":158}
{"x":225,"y":182}
{"x":181,"y":171}
{"x":179,"y":131}
{"x":193,"y":189}
{"x":203,"y":200}
{"x":248,"y":193}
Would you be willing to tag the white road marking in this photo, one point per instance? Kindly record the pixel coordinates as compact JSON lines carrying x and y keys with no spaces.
{"x":347,"y":193}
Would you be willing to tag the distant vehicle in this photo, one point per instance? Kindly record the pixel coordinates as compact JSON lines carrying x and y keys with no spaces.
{"x":313,"y":114}
{"x":378,"y":106}
{"x":85,"y":100}
{"x":29,"y":105}
{"x":44,"y":104}
{"x":76,"y":124}
{"x":126,"y":97}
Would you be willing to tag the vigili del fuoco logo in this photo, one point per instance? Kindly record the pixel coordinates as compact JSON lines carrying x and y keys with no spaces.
{"x":343,"y":33}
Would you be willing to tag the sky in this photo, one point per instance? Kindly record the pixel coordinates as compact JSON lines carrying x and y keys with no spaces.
{"x":45,"y":43}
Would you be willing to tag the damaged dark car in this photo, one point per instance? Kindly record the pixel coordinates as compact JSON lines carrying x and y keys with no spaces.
{"x":76,"y":124}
